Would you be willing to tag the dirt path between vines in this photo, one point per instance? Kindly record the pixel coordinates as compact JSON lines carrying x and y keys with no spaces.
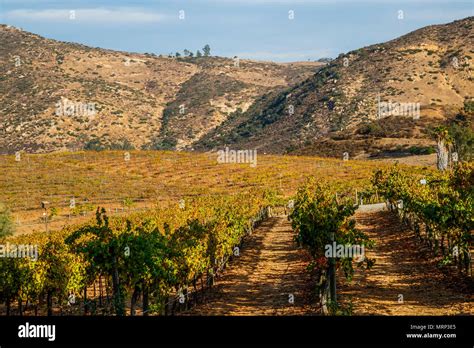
{"x":403,"y":268}
{"x":260,"y":281}
{"x":270,"y":268}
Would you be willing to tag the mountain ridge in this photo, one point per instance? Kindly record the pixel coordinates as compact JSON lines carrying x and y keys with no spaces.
{"x":343,"y":96}
{"x":132,"y":94}
{"x":154,"y":102}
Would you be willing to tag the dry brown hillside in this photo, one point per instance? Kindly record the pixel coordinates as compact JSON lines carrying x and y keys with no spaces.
{"x":134,"y":99}
{"x":336,"y":109}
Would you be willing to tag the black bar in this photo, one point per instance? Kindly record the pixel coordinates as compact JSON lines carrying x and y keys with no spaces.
{"x":225,"y":331}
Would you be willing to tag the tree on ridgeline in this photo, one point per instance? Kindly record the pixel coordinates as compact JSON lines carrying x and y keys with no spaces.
{"x":207,"y":50}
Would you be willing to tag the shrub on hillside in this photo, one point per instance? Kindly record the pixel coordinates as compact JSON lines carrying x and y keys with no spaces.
{"x":6,"y":224}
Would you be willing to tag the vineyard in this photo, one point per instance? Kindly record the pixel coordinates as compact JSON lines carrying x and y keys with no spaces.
{"x":321,"y":219}
{"x":152,"y":234}
{"x":439,"y":208}
{"x":162,"y":235}
{"x":74,"y":184}
{"x":162,"y":255}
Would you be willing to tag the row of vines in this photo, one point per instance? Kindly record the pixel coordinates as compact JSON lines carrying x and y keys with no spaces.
{"x":155,"y":262}
{"x":321,"y":218}
{"x":439,"y":208}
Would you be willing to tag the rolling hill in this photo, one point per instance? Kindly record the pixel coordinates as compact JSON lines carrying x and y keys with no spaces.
{"x":336,"y":109}
{"x":56,"y":96}
{"x":144,"y":101}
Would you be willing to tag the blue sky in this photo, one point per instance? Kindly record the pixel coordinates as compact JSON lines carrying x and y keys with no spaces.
{"x":256,"y":29}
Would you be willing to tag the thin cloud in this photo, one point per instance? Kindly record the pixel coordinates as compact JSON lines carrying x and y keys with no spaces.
{"x":91,"y":15}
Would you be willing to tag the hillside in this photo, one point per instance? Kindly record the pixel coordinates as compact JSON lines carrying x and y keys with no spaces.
{"x":121,"y":100}
{"x":335,"y":110}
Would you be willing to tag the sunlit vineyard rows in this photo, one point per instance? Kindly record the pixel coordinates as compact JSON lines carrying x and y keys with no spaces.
{"x":161,"y":255}
{"x":438,"y":207}
{"x":149,"y":178}
{"x":161,"y":226}
{"x":321,"y":218}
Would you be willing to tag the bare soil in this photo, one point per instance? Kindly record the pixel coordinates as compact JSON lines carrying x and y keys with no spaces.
{"x":260,"y":281}
{"x":405,"y":279}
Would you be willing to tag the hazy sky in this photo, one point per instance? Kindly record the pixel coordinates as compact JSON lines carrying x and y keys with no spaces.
{"x":257,"y":29}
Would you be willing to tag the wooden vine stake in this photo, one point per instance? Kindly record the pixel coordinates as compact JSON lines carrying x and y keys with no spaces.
{"x":332,"y":275}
